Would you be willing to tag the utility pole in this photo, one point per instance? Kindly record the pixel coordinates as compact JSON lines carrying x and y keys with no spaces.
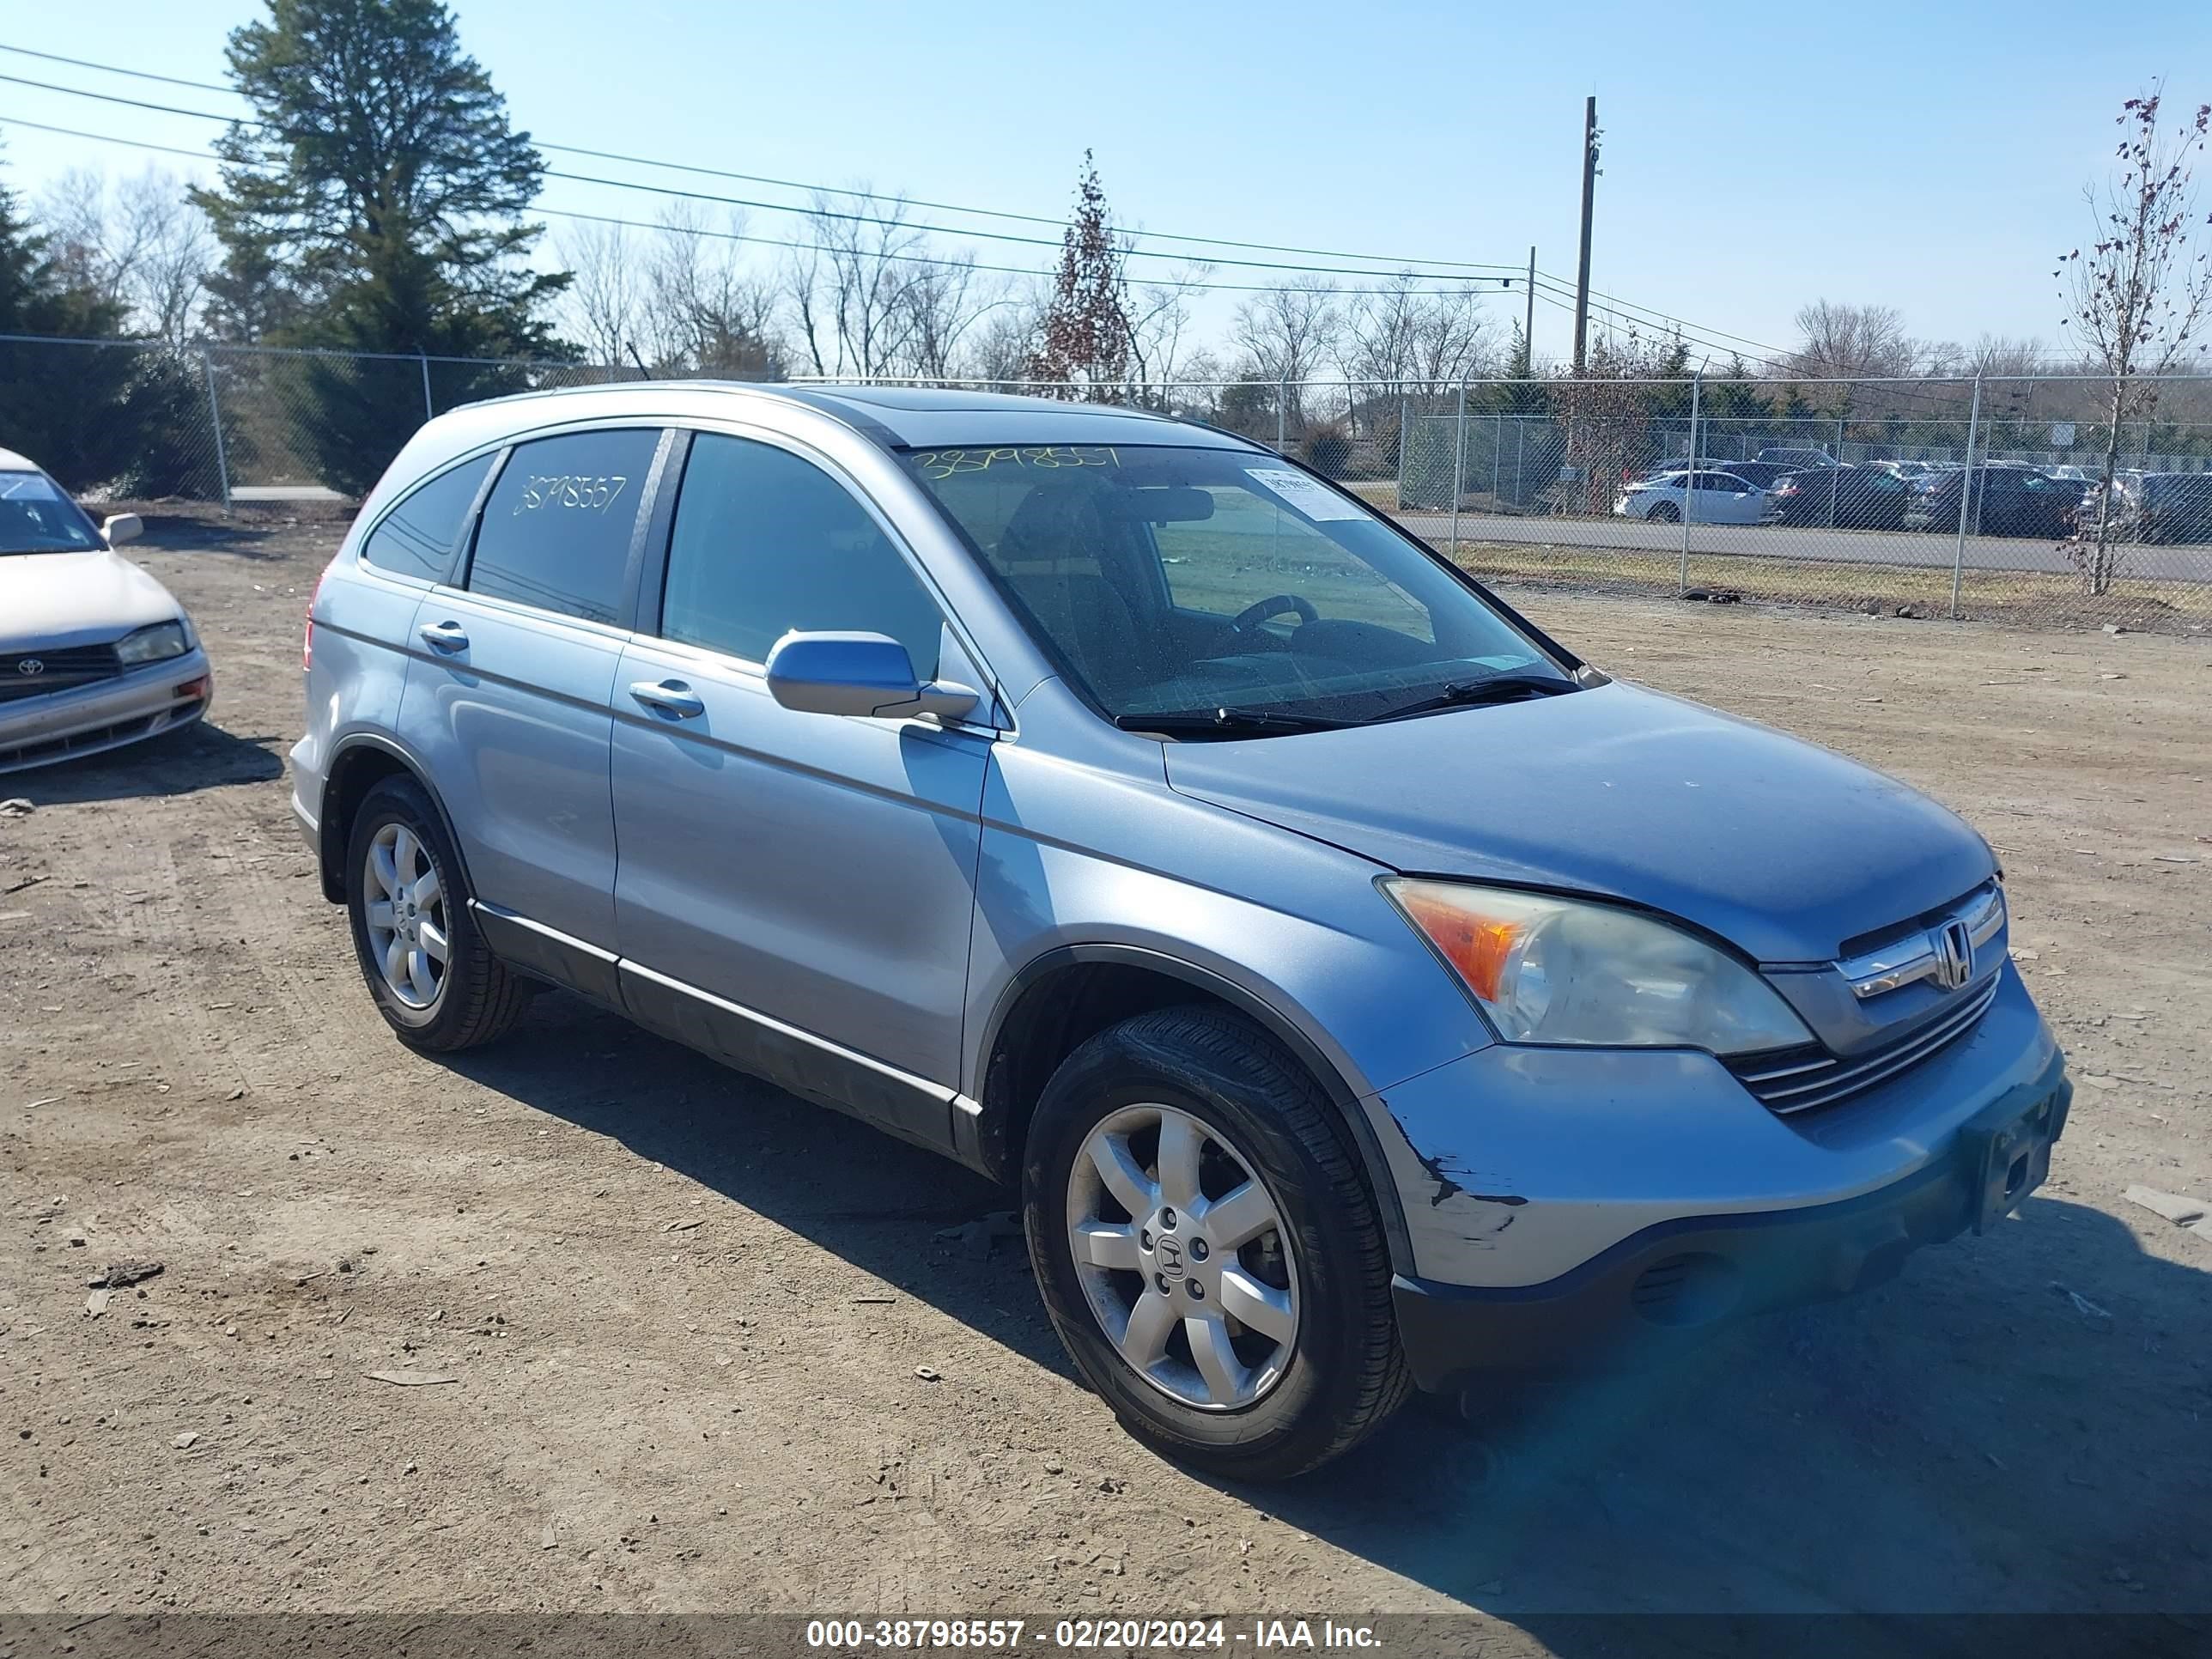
{"x":1589,"y":191}
{"x":1528,"y":325}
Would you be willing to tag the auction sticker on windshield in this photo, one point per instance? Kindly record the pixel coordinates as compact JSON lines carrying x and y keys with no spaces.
{"x":1309,"y":495}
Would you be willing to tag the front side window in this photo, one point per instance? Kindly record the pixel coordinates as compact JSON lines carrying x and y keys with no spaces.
{"x":556,"y":530}
{"x":36,"y":516}
{"x":765,"y":542}
{"x":1172,"y":580}
{"x":417,"y":538}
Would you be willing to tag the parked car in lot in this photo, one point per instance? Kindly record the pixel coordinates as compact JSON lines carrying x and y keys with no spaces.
{"x":1707,"y":497}
{"x":2006,"y":499}
{"x":1797,"y":459}
{"x":1845,"y":497}
{"x":1760,"y":475}
{"x":2173,"y":507}
{"x":1363,"y":990}
{"x":94,"y":651}
{"x":1679,"y":464}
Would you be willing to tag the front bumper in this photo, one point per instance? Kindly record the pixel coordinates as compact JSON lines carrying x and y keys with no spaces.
{"x":1677,"y":1277}
{"x":106,"y":715}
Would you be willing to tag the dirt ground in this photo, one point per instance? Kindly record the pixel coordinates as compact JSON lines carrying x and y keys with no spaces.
{"x":714,"y":1349}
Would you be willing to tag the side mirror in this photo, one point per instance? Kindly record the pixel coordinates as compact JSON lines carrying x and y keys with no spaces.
{"x":866,"y":674}
{"x":121,"y":528}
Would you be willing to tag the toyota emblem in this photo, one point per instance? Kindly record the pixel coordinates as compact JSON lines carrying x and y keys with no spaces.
{"x":31,"y":665}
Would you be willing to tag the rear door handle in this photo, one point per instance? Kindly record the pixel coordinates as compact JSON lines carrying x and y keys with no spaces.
{"x":671,"y":697}
{"x":445,"y":636}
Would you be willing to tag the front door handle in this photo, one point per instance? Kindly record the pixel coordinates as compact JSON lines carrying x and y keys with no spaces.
{"x":445,"y":636}
{"x":671,"y":697}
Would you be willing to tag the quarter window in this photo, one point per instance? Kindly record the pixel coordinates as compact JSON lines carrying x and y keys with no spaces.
{"x":556,"y":532}
{"x":417,"y":538}
{"x":765,"y":542}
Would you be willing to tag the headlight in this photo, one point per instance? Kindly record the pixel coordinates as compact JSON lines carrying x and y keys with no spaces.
{"x":156,"y":644}
{"x":1555,"y":970}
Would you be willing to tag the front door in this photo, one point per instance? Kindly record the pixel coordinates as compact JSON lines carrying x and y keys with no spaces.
{"x":796,"y":889}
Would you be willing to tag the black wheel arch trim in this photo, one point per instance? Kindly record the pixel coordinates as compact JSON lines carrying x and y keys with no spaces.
{"x":331,"y":840}
{"x":984,"y":1133}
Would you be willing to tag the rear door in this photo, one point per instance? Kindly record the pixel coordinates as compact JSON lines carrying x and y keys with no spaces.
{"x":796,"y":889}
{"x":1723,"y":498}
{"x":507,"y":703}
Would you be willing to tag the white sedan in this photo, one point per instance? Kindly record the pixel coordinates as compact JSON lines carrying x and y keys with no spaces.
{"x":1705,"y":497}
{"x":94,"y":651}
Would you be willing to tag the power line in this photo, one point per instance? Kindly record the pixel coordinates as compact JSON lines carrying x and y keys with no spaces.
{"x":1680,"y":323}
{"x":1627,"y":313}
{"x":714,"y":235}
{"x":788,"y":184}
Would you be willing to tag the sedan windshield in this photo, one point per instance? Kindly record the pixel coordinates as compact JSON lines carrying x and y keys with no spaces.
{"x":36,"y":517}
{"x":1200,"y":582}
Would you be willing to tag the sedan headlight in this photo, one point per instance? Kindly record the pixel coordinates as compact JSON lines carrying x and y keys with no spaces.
{"x":157,"y":644}
{"x":1557,"y":970}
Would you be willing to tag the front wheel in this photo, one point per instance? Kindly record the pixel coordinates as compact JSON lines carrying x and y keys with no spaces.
{"x":1207,"y":1249}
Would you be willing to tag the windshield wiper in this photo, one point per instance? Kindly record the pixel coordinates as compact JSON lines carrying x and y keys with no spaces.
{"x":1497,"y":688}
{"x":1225,"y":723}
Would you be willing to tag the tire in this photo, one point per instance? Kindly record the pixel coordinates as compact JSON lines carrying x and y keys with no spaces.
{"x":1663,"y":513}
{"x":477,"y":997}
{"x":1338,"y":1373}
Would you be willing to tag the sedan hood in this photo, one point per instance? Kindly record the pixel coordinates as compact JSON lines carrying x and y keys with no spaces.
{"x":49,"y":600}
{"x":1781,"y":848}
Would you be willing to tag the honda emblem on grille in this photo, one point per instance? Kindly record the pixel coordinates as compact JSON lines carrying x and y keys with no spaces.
{"x":31,"y":665}
{"x":1955,"y":955}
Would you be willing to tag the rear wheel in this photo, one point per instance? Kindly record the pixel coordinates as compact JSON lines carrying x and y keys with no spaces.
{"x":1664,"y":512}
{"x":434,"y":980}
{"x":1207,"y":1249}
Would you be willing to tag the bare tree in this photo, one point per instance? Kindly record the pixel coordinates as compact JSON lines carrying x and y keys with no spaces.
{"x":852,"y":292}
{"x":143,"y":246}
{"x":1159,"y":317}
{"x":1404,"y":340}
{"x":608,"y":293}
{"x":1284,"y":335}
{"x":702,"y":311}
{"x":2142,"y":289}
{"x":1851,"y":343}
{"x":944,"y":302}
{"x":1001,"y":348}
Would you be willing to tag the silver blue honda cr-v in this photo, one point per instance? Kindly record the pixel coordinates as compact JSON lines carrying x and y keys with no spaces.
{"x":1363,"y":991}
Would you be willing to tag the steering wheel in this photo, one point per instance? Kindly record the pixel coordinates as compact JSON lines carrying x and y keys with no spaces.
{"x":1253,"y":615}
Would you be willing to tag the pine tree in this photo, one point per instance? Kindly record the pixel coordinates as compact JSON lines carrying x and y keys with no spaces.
{"x":1086,"y":327}
{"x":117,"y":416}
{"x":374,"y":205}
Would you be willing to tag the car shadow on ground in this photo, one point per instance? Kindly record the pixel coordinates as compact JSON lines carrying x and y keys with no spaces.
{"x":202,"y":757}
{"x":874,"y":1201}
{"x":2018,"y":1425}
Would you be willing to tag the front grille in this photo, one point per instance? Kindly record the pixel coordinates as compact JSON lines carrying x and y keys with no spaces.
{"x":58,"y":670}
{"x":1801,"y":1079}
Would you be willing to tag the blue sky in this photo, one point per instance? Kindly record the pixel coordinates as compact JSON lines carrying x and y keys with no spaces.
{"x":1757,"y":156}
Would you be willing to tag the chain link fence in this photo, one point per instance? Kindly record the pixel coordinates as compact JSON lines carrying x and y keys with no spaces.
{"x":1975,"y":497}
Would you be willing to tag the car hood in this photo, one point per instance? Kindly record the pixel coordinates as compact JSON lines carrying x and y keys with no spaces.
{"x":1782,"y":849}
{"x":48,"y":601}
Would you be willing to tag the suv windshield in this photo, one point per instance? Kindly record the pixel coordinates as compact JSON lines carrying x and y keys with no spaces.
{"x":36,"y":517}
{"x":1200,"y":581}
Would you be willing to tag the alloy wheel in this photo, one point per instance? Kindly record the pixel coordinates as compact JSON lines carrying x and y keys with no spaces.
{"x":405,"y":916}
{"x":1184,"y":1255}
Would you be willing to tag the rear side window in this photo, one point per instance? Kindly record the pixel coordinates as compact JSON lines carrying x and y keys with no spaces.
{"x":555,"y":532}
{"x":417,"y":538}
{"x":765,"y":542}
